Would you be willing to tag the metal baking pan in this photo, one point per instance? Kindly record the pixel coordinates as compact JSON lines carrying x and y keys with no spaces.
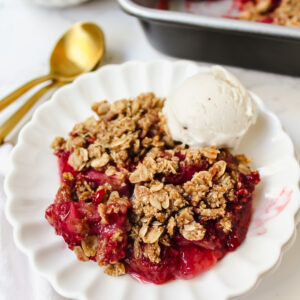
{"x":207,"y":36}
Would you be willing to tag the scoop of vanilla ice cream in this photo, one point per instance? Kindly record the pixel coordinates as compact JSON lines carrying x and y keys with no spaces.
{"x":210,"y":109}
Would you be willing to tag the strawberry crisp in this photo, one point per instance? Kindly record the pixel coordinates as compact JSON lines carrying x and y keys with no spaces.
{"x":137,"y":202}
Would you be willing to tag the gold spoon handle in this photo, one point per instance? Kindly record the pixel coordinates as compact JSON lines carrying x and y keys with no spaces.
{"x":9,"y":124}
{"x":22,"y":90}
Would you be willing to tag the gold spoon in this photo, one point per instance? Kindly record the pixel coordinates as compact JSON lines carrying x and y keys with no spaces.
{"x":79,"y":50}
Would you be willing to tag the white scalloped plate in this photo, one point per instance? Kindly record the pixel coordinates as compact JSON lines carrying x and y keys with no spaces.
{"x":33,"y":182}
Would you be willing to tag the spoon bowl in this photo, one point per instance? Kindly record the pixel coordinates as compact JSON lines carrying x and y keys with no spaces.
{"x":78,"y":51}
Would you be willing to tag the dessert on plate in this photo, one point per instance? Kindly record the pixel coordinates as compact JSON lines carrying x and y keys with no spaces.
{"x":150,"y":187}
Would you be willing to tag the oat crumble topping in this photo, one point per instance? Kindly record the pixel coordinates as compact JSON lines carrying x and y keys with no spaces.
{"x":117,"y":269}
{"x":286,"y":13}
{"x":130,"y":144}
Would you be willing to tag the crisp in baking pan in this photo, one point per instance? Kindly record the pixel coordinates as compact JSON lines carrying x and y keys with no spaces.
{"x":199,"y":31}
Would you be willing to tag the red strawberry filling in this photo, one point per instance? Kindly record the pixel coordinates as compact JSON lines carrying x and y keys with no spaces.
{"x":185,"y":259}
{"x":134,"y":200}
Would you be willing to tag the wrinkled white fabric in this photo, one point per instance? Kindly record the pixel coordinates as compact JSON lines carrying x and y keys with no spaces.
{"x":18,"y":280}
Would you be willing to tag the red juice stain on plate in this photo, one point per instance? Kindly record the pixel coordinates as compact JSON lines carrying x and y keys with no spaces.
{"x":273,"y":207}
{"x":278,"y":203}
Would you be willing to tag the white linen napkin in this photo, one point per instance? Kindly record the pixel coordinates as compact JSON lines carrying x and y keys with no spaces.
{"x":18,"y":280}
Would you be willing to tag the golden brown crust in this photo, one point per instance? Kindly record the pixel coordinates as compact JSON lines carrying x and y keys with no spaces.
{"x":287,"y":13}
{"x":134,"y":132}
{"x":117,"y":269}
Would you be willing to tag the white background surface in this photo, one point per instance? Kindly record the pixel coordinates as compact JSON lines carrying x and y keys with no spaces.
{"x":27,"y":35}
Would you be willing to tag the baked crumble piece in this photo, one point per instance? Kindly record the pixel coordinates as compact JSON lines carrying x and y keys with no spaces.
{"x":280,"y":12}
{"x":134,"y":200}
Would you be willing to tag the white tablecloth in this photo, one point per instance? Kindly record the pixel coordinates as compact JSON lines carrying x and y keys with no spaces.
{"x":27,"y":36}
{"x":17,"y":278}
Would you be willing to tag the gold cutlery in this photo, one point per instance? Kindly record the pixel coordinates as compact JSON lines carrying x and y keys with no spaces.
{"x":79,"y":50}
